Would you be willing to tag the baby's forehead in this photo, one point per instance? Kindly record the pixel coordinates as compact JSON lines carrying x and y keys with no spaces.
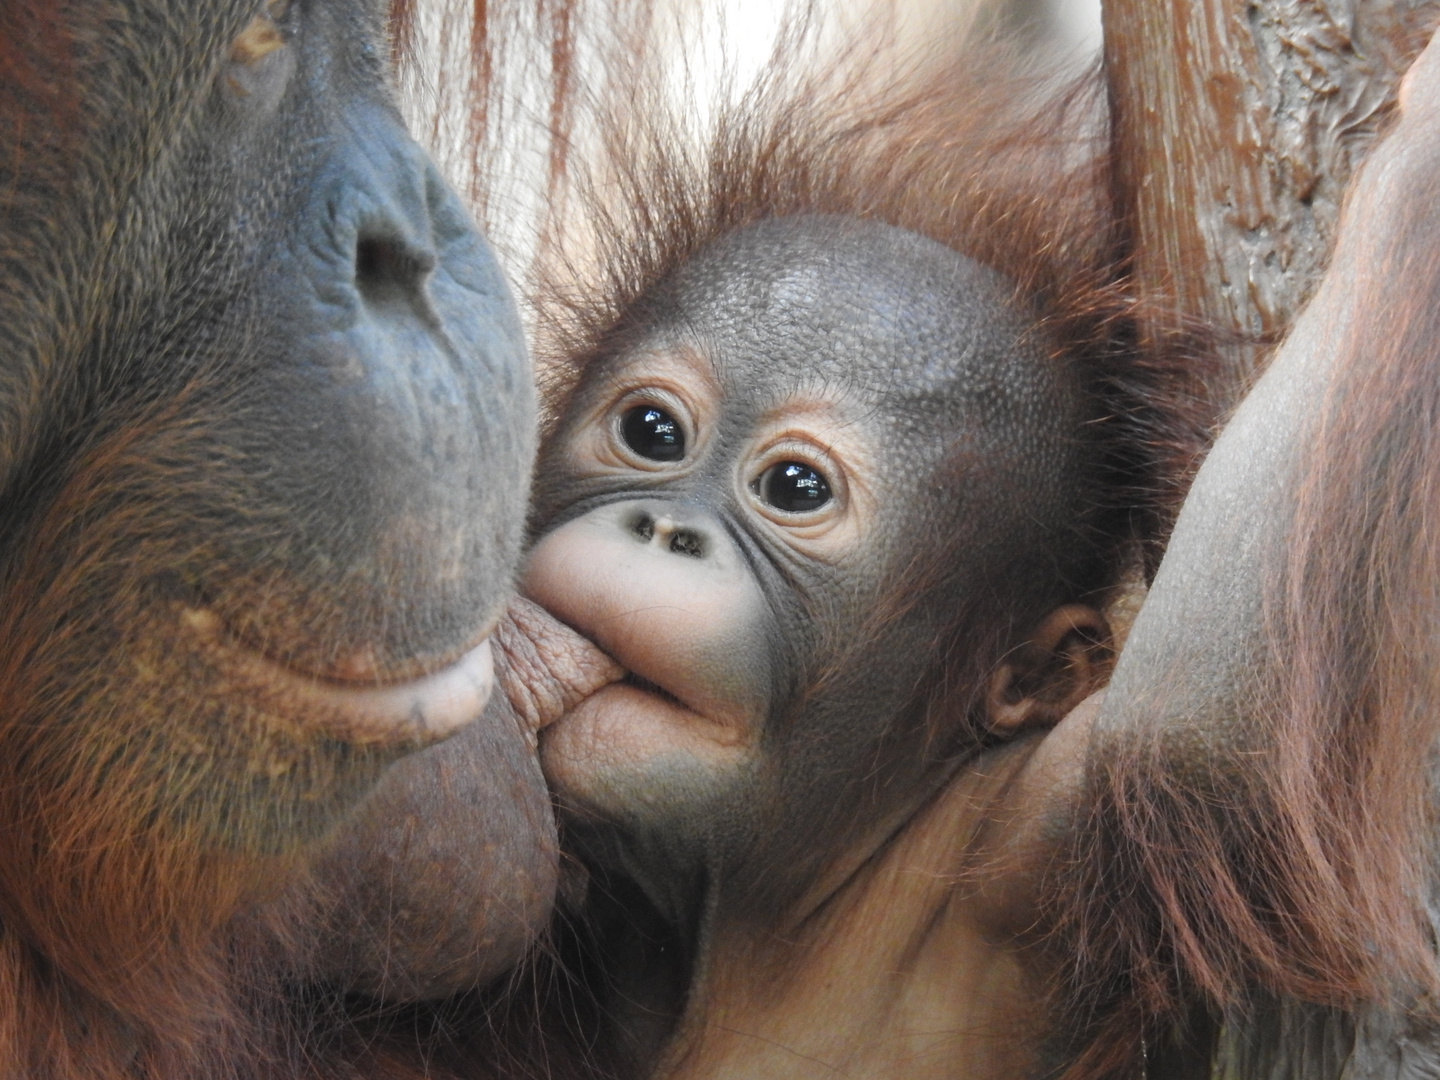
{"x":882,"y":326}
{"x":844,"y":303}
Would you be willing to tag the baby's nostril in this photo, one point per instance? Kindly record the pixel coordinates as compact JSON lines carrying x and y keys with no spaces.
{"x":643,"y":527}
{"x":687,"y":542}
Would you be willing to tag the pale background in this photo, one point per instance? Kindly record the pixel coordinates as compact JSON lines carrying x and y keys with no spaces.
{"x":718,"y":44}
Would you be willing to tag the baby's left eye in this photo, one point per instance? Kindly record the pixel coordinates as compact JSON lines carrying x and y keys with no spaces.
{"x":793,"y":487}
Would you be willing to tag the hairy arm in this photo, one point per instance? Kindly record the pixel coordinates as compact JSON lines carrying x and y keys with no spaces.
{"x":1256,"y":788}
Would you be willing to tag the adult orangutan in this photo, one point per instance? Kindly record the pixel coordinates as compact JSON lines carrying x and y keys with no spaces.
{"x":265,"y":431}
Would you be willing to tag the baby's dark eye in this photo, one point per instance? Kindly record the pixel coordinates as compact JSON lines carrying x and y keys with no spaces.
{"x":653,"y":433}
{"x":793,"y":487}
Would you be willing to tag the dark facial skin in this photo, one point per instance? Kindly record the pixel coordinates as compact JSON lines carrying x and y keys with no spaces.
{"x":446,"y":873}
{"x":852,"y":399}
{"x":468,"y":821}
{"x":265,"y":432}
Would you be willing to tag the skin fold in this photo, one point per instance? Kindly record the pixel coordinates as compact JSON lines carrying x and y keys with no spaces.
{"x":414,"y":838}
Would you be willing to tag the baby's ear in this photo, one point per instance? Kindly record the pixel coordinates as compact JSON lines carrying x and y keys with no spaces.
{"x":1067,"y":658}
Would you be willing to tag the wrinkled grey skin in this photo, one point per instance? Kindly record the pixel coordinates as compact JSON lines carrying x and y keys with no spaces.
{"x":267,"y":259}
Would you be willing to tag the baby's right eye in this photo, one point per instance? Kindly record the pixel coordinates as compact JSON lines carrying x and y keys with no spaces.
{"x":653,"y":433}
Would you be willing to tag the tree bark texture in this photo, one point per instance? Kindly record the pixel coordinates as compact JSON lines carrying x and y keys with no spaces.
{"x":1237,"y":124}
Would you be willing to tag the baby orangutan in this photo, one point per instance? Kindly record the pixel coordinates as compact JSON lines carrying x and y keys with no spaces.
{"x":833,"y":505}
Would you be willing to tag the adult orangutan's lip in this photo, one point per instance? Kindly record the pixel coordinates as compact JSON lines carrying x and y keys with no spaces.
{"x":419,"y":710}
{"x":545,"y":667}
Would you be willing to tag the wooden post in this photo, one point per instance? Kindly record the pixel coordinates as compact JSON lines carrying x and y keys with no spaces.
{"x":1237,"y":124}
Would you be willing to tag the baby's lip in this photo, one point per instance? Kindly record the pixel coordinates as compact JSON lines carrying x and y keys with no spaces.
{"x":545,"y":667}
{"x":423,"y":708}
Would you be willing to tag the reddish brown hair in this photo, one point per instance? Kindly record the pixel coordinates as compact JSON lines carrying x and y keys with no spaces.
{"x":129,"y":945}
{"x":503,"y":39}
{"x":1304,"y":872}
